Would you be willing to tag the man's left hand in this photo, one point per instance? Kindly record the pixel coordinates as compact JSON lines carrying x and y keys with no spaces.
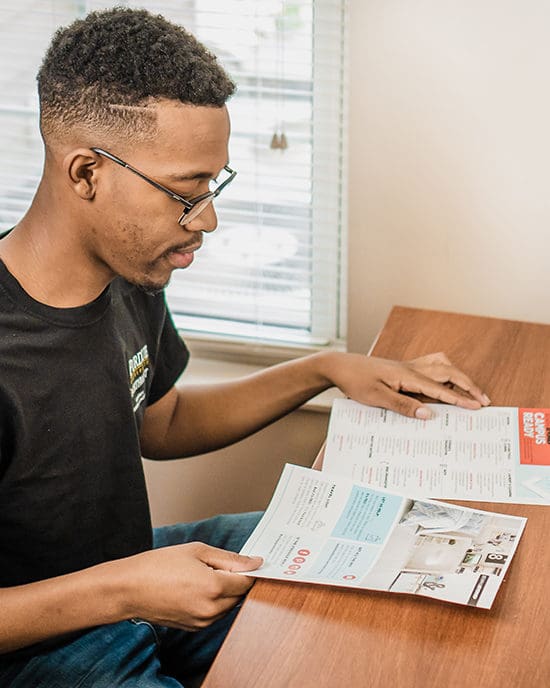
{"x":386,"y":383}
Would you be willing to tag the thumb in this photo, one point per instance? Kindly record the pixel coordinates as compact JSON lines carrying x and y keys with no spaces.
{"x":403,"y":404}
{"x":224,"y":560}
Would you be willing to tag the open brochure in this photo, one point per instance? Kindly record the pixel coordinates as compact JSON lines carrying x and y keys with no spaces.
{"x":496,"y":454}
{"x":322,"y":528}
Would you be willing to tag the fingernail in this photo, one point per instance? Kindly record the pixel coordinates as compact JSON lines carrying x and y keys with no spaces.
{"x":423,"y":413}
{"x":486,"y":400}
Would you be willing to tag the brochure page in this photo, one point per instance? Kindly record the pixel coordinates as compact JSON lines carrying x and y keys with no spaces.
{"x":497,"y":454}
{"x":322,"y":528}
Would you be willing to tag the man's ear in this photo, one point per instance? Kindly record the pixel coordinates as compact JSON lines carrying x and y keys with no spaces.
{"x":81,"y":166}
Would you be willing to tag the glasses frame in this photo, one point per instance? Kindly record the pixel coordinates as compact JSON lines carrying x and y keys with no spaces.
{"x":203,"y":200}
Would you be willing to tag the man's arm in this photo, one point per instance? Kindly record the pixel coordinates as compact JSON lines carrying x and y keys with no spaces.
{"x":195,"y":419}
{"x":185,"y":586}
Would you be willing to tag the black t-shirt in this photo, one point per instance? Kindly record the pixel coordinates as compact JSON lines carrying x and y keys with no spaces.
{"x":74,"y":384}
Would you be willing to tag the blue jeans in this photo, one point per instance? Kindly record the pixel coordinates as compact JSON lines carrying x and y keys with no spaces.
{"x":134,"y":654}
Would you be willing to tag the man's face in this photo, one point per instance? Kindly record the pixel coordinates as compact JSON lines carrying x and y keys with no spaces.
{"x":136,"y":231}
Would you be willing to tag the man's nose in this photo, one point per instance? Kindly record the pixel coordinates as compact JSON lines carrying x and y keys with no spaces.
{"x":206,"y":221}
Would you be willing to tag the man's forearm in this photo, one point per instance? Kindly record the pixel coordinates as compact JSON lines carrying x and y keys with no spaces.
{"x":37,"y":611}
{"x":207,"y":417}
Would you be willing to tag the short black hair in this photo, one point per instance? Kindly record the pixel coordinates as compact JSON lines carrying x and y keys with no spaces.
{"x":103,"y":72}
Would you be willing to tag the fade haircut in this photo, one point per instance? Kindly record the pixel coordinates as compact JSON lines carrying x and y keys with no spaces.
{"x":104,"y":74}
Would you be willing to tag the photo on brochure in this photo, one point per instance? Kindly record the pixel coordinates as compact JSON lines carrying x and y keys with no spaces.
{"x":439,"y":551}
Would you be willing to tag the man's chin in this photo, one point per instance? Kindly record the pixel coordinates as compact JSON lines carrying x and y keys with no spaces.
{"x":149,"y":286}
{"x":150,"y":290}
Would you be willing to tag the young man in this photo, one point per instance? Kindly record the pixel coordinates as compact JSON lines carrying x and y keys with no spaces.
{"x":135,"y":130}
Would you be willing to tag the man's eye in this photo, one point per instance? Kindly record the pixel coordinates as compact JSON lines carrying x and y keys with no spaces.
{"x":188,"y":190}
{"x":192,"y":189}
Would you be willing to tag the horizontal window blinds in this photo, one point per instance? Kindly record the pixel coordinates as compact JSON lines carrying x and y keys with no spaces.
{"x":273,"y":268}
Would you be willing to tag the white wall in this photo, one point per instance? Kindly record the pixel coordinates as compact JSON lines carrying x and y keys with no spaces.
{"x":449,"y":159}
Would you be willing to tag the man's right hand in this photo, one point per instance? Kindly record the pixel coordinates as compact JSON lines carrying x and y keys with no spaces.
{"x":184,"y":586}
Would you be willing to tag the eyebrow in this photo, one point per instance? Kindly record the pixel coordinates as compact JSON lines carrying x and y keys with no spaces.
{"x":190,"y":176}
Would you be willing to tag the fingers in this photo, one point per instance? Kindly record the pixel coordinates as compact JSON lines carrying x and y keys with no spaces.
{"x":430,"y":359}
{"x":407,"y":406}
{"x":388,"y":395}
{"x":432,"y":376}
{"x":225,"y":565}
{"x":420,"y":384}
{"x":451,"y":374}
{"x":438,"y":367}
{"x":229,"y":561}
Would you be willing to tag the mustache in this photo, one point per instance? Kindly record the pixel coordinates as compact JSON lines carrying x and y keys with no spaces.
{"x":188,"y":247}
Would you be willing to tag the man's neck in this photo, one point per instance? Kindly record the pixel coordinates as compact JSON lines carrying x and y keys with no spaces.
{"x":47,"y":260}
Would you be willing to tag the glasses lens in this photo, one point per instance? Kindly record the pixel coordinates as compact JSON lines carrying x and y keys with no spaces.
{"x":189,"y":215}
{"x":220,"y":181}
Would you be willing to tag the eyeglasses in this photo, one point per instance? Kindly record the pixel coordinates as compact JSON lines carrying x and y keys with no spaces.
{"x":192,"y":206}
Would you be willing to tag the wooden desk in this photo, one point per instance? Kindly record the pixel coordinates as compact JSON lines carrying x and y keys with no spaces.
{"x":305,"y":636}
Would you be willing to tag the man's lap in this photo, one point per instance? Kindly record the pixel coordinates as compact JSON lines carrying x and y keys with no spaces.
{"x":135,"y":653}
{"x":228,"y":531}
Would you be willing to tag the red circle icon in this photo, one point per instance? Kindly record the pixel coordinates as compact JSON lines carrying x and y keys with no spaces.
{"x":350,"y":577}
{"x":304,"y":552}
{"x":290,"y":573}
{"x":299,"y":560}
{"x":294,"y":567}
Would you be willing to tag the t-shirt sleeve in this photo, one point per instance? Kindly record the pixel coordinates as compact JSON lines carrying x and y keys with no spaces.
{"x":171,"y":360}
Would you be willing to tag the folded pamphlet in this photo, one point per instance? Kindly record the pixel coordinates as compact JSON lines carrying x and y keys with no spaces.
{"x":325,"y":528}
{"x":495,"y":454}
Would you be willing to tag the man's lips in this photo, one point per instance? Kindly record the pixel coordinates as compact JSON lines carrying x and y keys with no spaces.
{"x":182,"y":257}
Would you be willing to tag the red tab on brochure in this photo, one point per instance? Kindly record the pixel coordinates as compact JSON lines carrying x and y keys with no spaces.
{"x":534,"y":436}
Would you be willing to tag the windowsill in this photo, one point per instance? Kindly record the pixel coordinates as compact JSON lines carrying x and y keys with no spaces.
{"x":220,"y":359}
{"x":210,"y":371}
{"x":256,"y":353}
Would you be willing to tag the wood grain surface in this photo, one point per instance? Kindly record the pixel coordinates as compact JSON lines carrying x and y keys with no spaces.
{"x":309,"y":636}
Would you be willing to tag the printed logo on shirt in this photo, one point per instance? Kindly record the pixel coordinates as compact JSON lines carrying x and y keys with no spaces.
{"x":138,"y":368}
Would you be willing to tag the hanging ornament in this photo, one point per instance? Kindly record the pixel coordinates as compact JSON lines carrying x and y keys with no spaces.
{"x":278,"y":141}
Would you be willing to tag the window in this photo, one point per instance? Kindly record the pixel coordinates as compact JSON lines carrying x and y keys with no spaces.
{"x":274,"y":268}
